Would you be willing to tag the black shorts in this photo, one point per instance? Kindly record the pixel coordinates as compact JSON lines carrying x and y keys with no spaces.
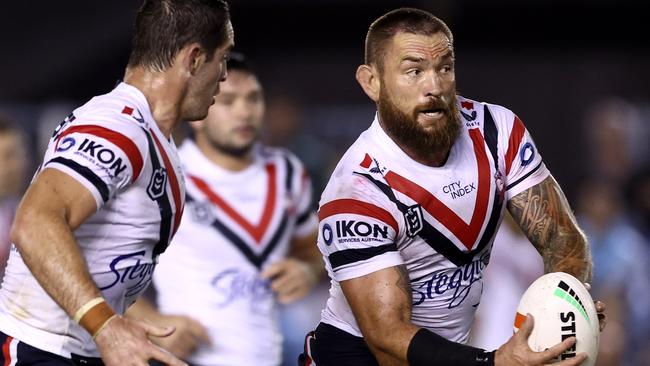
{"x":15,"y":352}
{"x":331,"y":346}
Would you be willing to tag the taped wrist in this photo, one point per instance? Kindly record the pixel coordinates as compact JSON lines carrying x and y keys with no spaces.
{"x":427,"y":348}
{"x":94,"y":315}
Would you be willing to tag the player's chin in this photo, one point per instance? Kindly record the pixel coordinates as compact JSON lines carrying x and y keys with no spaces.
{"x":199,"y":113}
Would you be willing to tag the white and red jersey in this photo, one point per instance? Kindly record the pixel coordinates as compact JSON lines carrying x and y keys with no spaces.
{"x":113,"y":147}
{"x":236,"y":223}
{"x":382,"y":209}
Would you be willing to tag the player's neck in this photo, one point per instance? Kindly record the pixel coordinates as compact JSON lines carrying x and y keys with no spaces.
{"x":224,"y":160}
{"x":162,"y":94}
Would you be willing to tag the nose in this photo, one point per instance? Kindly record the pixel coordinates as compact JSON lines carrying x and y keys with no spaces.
{"x":242,"y":110}
{"x":224,"y":72}
{"x":432,"y":84}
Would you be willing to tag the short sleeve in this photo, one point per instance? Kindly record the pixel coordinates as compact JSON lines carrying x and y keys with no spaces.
{"x":524,"y":165}
{"x":357,"y":232}
{"x":104,"y":160}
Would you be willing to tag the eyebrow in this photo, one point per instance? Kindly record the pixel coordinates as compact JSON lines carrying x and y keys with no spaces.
{"x":448,"y":55}
{"x":412,"y":59}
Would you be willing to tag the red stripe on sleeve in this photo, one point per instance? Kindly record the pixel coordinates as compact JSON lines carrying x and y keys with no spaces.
{"x":516,"y":135}
{"x":176,"y":192}
{"x":352,"y":206}
{"x":124,"y":143}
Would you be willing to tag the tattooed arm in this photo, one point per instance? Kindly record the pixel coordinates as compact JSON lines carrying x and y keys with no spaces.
{"x":381,"y":303}
{"x":544,"y":215}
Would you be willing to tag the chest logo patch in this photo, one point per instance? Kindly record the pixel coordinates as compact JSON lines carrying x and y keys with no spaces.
{"x":414,"y":220}
{"x":157,"y":184}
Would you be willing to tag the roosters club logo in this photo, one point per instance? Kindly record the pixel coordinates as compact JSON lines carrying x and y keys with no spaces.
{"x":469,"y":106}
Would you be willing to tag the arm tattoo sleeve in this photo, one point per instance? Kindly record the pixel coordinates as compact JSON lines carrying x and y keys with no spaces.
{"x":544,"y":215}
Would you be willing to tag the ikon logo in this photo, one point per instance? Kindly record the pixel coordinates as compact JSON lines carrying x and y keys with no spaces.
{"x":157,"y":184}
{"x":351,"y":228}
{"x":105,"y":155}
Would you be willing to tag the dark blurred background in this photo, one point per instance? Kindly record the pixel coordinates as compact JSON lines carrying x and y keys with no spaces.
{"x":575,"y":71}
{"x":549,"y":61}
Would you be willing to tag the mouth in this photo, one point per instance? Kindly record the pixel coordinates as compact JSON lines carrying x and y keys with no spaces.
{"x":245,"y":130}
{"x":432,"y":113}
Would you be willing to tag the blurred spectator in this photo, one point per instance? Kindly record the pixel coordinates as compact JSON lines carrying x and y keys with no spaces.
{"x":638,"y":199}
{"x":617,"y":139}
{"x":514,"y":265}
{"x":617,"y":145}
{"x":621,"y":278}
{"x":13,"y":166}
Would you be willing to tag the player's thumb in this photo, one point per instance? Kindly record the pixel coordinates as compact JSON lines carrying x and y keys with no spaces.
{"x":158,"y":331}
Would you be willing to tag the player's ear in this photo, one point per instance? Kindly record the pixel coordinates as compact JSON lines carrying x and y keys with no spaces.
{"x":192,"y":56}
{"x":368,"y":78}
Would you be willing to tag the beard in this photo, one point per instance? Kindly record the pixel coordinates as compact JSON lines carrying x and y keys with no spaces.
{"x":406,"y":130}
{"x":234,"y":151}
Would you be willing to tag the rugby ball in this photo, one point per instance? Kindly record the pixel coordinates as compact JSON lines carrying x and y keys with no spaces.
{"x":562,"y":307}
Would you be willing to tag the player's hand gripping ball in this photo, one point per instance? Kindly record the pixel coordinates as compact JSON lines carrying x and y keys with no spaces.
{"x":562,"y":307}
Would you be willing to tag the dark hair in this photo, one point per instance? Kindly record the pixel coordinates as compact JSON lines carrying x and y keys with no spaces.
{"x":164,"y":27}
{"x":409,"y":20}
{"x":238,"y":62}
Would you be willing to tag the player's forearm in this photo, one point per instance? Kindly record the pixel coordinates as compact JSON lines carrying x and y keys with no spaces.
{"x":48,"y":248}
{"x":407,"y":345}
{"x":390,"y":344}
{"x":381,"y":304}
{"x":568,"y":252}
{"x":544,"y":215}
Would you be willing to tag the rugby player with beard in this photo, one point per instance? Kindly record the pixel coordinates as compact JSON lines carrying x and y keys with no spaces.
{"x":408,"y":218}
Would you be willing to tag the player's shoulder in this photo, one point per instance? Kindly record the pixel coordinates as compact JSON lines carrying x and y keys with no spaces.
{"x":503,"y":117}
{"x":113,"y":115}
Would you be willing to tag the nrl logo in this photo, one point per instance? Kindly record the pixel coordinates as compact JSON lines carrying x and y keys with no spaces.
{"x":414,"y":220}
{"x":157,"y":184}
